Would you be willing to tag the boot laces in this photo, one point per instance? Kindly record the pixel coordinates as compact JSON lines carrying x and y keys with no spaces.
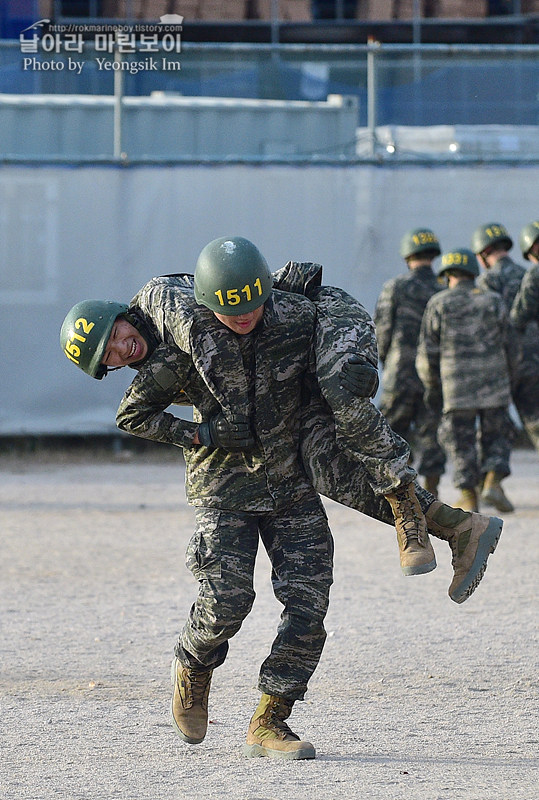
{"x":274,"y":719}
{"x":197,"y":686}
{"x":409,"y":522}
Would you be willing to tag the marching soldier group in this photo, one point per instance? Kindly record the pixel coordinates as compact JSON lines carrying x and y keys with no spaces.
{"x":458,"y":344}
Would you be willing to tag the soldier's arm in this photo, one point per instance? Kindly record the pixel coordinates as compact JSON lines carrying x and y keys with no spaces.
{"x":428,"y":351}
{"x":342,"y":318}
{"x":161,"y":382}
{"x":512,"y":345}
{"x":383,"y":319}
{"x":345,"y":342}
{"x":306,"y":278}
{"x":299,"y":277}
{"x":526,"y":303}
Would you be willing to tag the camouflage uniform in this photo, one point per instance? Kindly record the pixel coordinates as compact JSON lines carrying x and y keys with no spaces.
{"x":344,"y":328}
{"x":398,"y":315}
{"x":374,"y":453}
{"x":505,"y":277}
{"x":240,"y":495}
{"x":464,"y":353}
{"x":169,"y":378}
{"x":525,"y":306}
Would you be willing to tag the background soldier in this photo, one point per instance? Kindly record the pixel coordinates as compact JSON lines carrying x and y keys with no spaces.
{"x":525,"y":309}
{"x":463,"y":356}
{"x":398,"y":315}
{"x":492,"y":243}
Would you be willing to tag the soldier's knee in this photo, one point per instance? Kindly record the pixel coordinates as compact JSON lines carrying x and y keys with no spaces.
{"x":230,"y":612}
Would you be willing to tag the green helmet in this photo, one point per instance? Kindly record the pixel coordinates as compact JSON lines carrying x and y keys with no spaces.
{"x":85,"y":333}
{"x":461,"y":259}
{"x":528,"y":236}
{"x":492,"y":233}
{"x":232,"y":276}
{"x":420,"y":240}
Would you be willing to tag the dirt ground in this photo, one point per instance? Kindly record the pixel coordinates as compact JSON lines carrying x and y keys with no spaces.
{"x":415,"y":697}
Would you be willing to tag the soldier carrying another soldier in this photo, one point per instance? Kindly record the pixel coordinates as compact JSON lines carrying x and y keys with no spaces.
{"x":242,"y":353}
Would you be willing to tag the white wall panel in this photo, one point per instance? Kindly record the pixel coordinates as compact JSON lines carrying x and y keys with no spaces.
{"x":69,"y":234}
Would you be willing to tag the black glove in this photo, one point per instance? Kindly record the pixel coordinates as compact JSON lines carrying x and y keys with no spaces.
{"x":433,"y":399}
{"x":360,"y":377}
{"x":229,"y":434}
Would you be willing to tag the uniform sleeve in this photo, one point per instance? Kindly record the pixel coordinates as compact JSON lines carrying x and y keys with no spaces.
{"x":512,"y":345}
{"x":343,"y":328}
{"x":170,"y":308}
{"x":526,"y":303}
{"x":298,"y":278}
{"x":428,"y":349}
{"x":158,"y":385}
{"x":384,"y":315}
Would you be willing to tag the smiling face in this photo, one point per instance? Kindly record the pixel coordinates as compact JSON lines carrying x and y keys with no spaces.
{"x":242,"y":323}
{"x":125,"y":345}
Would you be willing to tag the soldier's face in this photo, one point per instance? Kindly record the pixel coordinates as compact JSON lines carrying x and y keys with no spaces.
{"x":242,"y":323}
{"x":125,"y":345}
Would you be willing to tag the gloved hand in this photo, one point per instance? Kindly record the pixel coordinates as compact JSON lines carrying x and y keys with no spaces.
{"x":360,"y":377}
{"x":433,"y":399}
{"x":229,"y":434}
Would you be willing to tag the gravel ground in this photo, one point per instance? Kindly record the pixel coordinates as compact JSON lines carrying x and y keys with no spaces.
{"x":415,"y":697}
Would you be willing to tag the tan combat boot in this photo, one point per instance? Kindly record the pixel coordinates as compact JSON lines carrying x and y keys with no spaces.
{"x":431,"y":484}
{"x":472,"y":538}
{"x":269,"y":735}
{"x":467,"y":500}
{"x":494,"y":495}
{"x":190,"y":702}
{"x":416,"y":553}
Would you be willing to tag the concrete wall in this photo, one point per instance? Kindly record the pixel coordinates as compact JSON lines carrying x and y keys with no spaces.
{"x":68,"y":234}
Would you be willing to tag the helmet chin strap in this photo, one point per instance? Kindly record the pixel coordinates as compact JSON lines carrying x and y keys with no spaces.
{"x":146,"y":330}
{"x":103,"y":371}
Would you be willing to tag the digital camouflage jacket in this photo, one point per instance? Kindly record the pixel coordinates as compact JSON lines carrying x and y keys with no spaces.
{"x":465,"y":348}
{"x":270,"y":394}
{"x":525,"y":308}
{"x":398,"y":315}
{"x":505,"y":277}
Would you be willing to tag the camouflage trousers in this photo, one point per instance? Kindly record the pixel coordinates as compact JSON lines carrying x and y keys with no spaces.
{"x":221,"y":555}
{"x":477,"y":441}
{"x":360,"y":429}
{"x":338,"y":474}
{"x":526,"y":400}
{"x":410,"y":418}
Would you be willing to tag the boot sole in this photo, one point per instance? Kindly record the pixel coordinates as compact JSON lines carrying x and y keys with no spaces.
{"x":421,"y":569}
{"x":257,"y":751}
{"x":486,"y":545}
{"x":181,"y":734}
